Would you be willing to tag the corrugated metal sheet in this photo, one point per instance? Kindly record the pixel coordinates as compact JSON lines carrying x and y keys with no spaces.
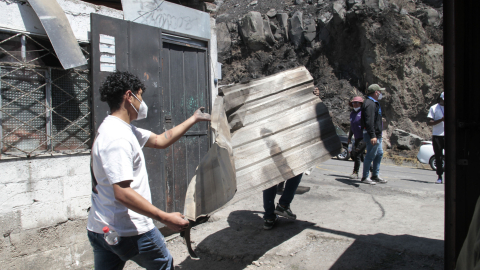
{"x":280,"y":129}
{"x":214,"y":183}
{"x":59,"y":32}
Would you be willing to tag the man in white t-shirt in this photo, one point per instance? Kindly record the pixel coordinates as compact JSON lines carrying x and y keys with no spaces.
{"x":436,"y":118}
{"x":121,"y":197}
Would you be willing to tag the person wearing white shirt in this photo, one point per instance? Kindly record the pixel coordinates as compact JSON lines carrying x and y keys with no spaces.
{"x":121,"y":198}
{"x":436,"y":118}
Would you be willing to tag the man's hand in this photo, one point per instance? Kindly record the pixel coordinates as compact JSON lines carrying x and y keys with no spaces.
{"x":349,"y":141}
{"x":316,"y":92}
{"x":373,"y":141}
{"x":201,"y":116}
{"x":175,"y":221}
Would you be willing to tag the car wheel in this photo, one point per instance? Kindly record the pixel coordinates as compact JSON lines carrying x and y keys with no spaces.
{"x":433,"y":163}
{"x":344,"y":155}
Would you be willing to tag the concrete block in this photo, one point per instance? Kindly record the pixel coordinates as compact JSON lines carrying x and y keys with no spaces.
{"x":48,"y":190}
{"x":14,"y":171}
{"x":40,"y":215}
{"x":75,"y":186}
{"x":9,"y":222}
{"x":77,"y":207}
{"x":55,"y":167}
{"x":14,"y":195}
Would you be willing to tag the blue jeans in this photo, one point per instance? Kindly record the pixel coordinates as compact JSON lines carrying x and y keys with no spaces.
{"x":374,"y":154}
{"x":287,"y":196}
{"x":148,"y":250}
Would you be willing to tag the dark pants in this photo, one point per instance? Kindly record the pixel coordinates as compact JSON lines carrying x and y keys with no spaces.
{"x":148,"y":250}
{"x":357,"y":155}
{"x":287,"y":196}
{"x":438,"y":147}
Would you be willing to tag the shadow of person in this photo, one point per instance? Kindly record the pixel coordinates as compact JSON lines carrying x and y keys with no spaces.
{"x":245,"y":241}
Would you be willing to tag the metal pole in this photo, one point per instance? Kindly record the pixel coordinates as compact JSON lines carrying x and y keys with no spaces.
{"x":23,"y":49}
{"x":450,"y":135}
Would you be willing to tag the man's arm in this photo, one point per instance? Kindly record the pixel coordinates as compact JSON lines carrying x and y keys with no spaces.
{"x":432,"y":122}
{"x":369,"y":115}
{"x":134,"y":201}
{"x":167,"y":138}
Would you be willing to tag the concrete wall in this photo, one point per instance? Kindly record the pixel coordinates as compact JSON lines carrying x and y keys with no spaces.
{"x":43,"y":211}
{"x":19,"y":16}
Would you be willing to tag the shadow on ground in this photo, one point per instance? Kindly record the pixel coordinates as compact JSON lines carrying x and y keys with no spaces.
{"x":245,"y":241}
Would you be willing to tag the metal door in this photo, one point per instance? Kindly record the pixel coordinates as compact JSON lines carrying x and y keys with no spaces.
{"x":184,"y":75}
{"x":176,"y":82}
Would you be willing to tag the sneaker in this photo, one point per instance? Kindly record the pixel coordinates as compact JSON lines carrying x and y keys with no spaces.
{"x":368,"y":181}
{"x":268,"y":223}
{"x":285,"y":212}
{"x":439,"y":181}
{"x":354,"y":175}
{"x":376,"y":178}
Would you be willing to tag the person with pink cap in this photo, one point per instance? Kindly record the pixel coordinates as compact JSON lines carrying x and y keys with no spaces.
{"x":356,"y":130}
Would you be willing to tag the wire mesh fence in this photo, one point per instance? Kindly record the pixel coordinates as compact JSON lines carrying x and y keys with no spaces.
{"x":43,"y":108}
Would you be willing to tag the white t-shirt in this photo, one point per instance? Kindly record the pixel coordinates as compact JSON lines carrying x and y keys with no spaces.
{"x":117,"y":156}
{"x":436,"y":112}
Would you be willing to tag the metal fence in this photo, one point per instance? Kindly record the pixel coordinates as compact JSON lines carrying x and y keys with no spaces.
{"x":43,"y":108}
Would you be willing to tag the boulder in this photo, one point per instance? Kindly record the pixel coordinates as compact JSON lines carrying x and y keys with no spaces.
{"x":339,"y":10}
{"x":404,"y":140}
{"x":282,"y":19}
{"x":377,"y":5}
{"x":224,"y":41}
{"x":324,"y":18}
{"x":272,"y":13}
{"x":298,"y":2}
{"x":351,"y":3}
{"x":268,"y":31}
{"x":296,"y":29}
{"x":432,"y":17}
{"x":310,"y":30}
{"x":252,"y":31}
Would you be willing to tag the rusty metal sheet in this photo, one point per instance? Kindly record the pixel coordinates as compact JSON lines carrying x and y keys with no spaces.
{"x":59,"y":32}
{"x":214,"y":183}
{"x":280,"y":129}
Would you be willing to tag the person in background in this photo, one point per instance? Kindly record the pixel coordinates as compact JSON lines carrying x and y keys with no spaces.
{"x":372,"y":133}
{"x":436,"y":118}
{"x":356,"y":130}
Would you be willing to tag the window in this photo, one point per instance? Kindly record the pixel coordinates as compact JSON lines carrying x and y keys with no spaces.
{"x":43,"y":108}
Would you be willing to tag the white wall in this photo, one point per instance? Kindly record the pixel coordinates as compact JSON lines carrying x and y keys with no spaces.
{"x":19,"y":16}
{"x":36,"y":196}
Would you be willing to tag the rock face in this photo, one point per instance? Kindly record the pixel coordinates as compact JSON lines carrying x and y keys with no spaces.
{"x":404,"y":140}
{"x":252,"y":31}
{"x":346,"y":45}
{"x":224,"y":41}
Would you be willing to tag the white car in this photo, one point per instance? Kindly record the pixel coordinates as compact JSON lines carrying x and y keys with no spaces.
{"x":427,"y":156}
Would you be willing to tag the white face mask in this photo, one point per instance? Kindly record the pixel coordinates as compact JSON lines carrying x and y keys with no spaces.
{"x":356,"y":109}
{"x":142,"y":111}
{"x":380,"y":96}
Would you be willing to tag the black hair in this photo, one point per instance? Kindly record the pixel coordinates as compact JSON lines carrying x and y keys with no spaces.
{"x":116,"y":85}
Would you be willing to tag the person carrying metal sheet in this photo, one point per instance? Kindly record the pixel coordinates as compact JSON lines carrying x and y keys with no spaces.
{"x":121,"y":198}
{"x":372,"y":134}
{"x":436,"y":118}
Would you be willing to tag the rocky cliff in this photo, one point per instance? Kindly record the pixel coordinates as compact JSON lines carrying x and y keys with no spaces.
{"x":346,"y":45}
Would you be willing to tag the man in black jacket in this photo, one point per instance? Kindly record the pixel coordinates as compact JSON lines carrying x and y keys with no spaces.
{"x":372,"y":133}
